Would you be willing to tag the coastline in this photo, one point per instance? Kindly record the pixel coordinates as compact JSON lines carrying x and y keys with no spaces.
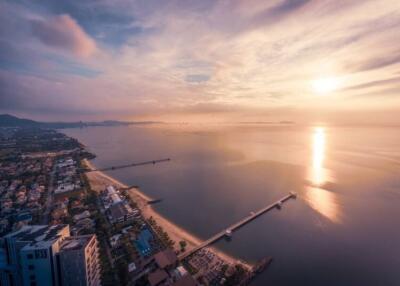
{"x":99,"y":180}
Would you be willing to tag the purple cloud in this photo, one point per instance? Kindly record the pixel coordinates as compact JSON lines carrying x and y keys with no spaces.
{"x":65,"y":33}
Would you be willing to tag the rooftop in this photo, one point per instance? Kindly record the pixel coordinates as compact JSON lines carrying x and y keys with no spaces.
{"x":63,"y":188}
{"x":157,"y":277}
{"x":120,"y":209}
{"x":36,"y":233}
{"x":111,"y":190}
{"x":186,"y":280}
{"x":165,"y":258}
{"x":76,"y":242}
{"x":39,"y":236}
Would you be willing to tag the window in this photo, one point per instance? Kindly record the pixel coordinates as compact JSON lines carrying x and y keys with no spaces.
{"x":31,"y":267}
{"x":40,"y":253}
{"x":30,"y":256}
{"x":92,"y":242}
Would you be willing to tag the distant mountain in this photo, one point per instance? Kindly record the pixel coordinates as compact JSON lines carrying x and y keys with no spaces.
{"x":7,"y":120}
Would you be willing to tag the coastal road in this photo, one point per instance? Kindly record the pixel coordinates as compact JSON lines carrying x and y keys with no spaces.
{"x":235,"y":226}
{"x":50,"y":193}
{"x":105,"y":241}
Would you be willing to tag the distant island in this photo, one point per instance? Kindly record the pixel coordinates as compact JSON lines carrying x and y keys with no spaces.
{"x":7,"y":120}
{"x":268,"y":122}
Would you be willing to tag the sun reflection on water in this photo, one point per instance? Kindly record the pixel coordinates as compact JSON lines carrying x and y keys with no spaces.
{"x":318,"y":176}
{"x":321,"y":200}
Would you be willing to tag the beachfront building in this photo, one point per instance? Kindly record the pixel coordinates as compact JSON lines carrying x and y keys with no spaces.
{"x":158,"y":277}
{"x":166,"y":259}
{"x":186,"y":280}
{"x":121,"y":212}
{"x":118,"y":209}
{"x":79,"y":262}
{"x":37,"y":255}
{"x":111,"y":197}
{"x":168,"y":271}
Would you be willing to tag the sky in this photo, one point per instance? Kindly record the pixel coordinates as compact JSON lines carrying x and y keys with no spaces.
{"x":209,"y":60}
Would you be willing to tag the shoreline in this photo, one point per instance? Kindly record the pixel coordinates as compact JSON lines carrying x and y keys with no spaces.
{"x":99,"y":180}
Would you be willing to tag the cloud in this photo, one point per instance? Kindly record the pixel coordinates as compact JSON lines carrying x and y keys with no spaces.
{"x":197,"y":78}
{"x":197,"y":57}
{"x":379,"y":62}
{"x":280,"y":10}
{"x":63,"y":32}
{"x":376,"y":83}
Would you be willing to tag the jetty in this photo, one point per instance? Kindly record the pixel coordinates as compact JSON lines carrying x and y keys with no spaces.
{"x":153,"y":202}
{"x":112,"y":168}
{"x":227,"y":232}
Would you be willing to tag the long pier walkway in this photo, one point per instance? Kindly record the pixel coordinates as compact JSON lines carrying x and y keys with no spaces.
{"x":235,"y":226}
{"x":130,"y":165}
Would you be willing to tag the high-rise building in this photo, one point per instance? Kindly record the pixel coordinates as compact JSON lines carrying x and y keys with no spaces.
{"x":79,"y":262}
{"x":30,"y":255}
{"x":41,"y":255}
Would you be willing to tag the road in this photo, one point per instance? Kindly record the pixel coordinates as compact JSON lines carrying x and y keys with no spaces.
{"x":50,"y":194}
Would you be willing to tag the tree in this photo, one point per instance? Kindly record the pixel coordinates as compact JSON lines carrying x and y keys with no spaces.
{"x":182,"y":244}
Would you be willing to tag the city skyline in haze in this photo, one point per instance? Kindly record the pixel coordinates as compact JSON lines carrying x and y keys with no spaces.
{"x":299,"y":60}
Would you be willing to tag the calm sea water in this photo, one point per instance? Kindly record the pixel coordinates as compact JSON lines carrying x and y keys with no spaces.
{"x":344,"y":227}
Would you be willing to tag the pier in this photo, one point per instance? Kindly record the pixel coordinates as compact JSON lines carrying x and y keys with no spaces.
{"x":228,"y":231}
{"x":112,"y":168}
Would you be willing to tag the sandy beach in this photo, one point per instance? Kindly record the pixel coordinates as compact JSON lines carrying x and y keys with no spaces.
{"x":99,"y":181}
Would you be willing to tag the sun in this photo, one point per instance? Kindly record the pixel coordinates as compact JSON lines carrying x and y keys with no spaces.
{"x":325,"y":85}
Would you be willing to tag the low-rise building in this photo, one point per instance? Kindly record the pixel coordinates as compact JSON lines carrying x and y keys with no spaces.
{"x":157,"y":277}
{"x":186,"y":280}
{"x":63,"y":188}
{"x":121,"y":212}
{"x":82,"y":215}
{"x":166,"y":259}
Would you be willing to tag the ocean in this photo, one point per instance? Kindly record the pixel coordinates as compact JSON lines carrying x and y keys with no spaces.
{"x":343,"y":227}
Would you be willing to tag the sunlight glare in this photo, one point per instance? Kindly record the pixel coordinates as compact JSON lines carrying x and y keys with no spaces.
{"x":318,"y":172}
{"x":325,"y":85}
{"x":324,"y":202}
{"x":321,"y":200}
